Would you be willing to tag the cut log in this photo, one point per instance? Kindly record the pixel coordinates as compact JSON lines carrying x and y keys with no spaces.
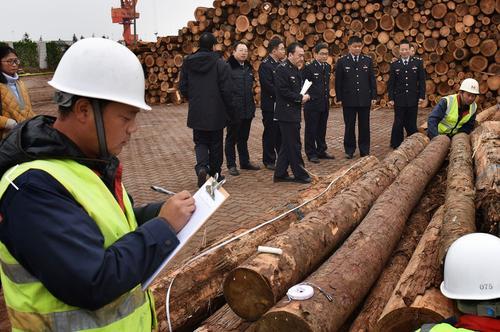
{"x":415,"y":227}
{"x":487,"y":158}
{"x":459,"y":215}
{"x":254,"y":287}
{"x":349,"y":273}
{"x":205,"y":276}
{"x":242,"y":23}
{"x":224,"y":320}
{"x":416,"y":299}
{"x":488,"y":47}
{"x":439,"y":11}
{"x":387,"y":22}
{"x":404,"y":21}
{"x":478,"y":63}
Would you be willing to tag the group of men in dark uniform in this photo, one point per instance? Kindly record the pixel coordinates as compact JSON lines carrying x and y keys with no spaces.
{"x":282,"y":76}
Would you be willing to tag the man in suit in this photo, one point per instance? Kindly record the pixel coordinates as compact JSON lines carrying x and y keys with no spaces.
{"x":356,"y":89}
{"x":271,"y":137}
{"x":317,"y":109}
{"x":289,"y":102}
{"x":406,"y":90}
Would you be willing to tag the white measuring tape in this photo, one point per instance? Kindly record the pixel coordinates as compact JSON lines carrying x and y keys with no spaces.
{"x":222,"y":244}
{"x":300,"y":292}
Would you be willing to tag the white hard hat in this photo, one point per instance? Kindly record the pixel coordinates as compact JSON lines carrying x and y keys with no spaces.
{"x":102,"y":69}
{"x":472,"y":268}
{"x":470,"y":85}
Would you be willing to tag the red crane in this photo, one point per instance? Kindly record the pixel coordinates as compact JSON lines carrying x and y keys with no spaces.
{"x":126,"y":15}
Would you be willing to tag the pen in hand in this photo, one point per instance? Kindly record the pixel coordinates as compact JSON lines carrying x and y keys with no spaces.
{"x":162,"y":190}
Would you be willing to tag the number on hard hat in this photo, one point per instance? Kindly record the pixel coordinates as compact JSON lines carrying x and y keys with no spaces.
{"x":470,"y":85}
{"x":472,"y":269}
{"x":102,"y":69}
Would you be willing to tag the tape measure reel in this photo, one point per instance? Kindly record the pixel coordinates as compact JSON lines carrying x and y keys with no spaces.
{"x":300,"y":292}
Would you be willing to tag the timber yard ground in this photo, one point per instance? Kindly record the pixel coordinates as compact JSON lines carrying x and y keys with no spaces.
{"x":161,"y":153}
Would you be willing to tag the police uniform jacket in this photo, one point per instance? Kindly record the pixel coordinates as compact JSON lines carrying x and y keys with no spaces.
{"x":319,"y":74}
{"x":266,"y":77}
{"x":407,"y":82}
{"x":242,"y":89}
{"x":288,"y":82}
{"x":355,"y":84}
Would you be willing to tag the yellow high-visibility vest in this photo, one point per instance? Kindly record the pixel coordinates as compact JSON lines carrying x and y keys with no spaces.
{"x":31,"y":306}
{"x":450,"y":124}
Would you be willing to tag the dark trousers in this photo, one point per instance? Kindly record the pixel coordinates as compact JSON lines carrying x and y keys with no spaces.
{"x":404,"y":117}
{"x":208,"y":148}
{"x":315,"y":133}
{"x":290,"y":151}
{"x":271,"y":138}
{"x":363,"y":114}
{"x":237,"y":134}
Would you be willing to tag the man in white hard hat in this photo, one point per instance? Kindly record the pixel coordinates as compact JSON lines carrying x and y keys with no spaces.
{"x":455,"y":113}
{"x":472,"y":279}
{"x":73,"y":250}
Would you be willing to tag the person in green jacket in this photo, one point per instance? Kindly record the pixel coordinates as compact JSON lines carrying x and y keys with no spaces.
{"x":472,"y":280}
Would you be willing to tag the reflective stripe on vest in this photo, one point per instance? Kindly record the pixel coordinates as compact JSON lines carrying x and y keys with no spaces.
{"x":450,"y":124}
{"x":31,"y":306}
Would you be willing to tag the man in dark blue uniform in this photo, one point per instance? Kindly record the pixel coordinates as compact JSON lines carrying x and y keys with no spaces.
{"x":356,"y":89}
{"x":271,"y":137}
{"x":289,"y":102}
{"x":406,"y":90}
{"x":317,"y":109}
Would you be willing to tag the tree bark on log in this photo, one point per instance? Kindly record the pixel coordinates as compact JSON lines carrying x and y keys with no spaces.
{"x":416,"y":299}
{"x":487,"y":114}
{"x":459,"y":215}
{"x":373,"y":306}
{"x":348,"y":275}
{"x":224,"y":320}
{"x":256,"y":285}
{"x":198,"y":288}
{"x":485,"y":141}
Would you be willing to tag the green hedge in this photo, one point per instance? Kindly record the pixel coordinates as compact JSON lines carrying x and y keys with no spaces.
{"x":55,"y":51}
{"x":27,"y":51}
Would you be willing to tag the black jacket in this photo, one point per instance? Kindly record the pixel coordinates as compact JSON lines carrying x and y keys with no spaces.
{"x":355,"y":84}
{"x":288,"y":80}
{"x":406,"y":82}
{"x":319,"y":75}
{"x":267,"y":70}
{"x":242,"y":89}
{"x":206,"y":83}
{"x":53,"y":237}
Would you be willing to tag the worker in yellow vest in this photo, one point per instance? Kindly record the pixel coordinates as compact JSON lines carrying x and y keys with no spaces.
{"x":73,"y":249}
{"x":455,"y":113}
{"x":472,"y":279}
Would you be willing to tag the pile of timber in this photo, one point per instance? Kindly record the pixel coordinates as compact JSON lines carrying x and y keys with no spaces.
{"x":455,"y":38}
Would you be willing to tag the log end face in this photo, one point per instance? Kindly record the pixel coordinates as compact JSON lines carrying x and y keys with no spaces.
{"x":407,"y":319}
{"x":282,"y":321}
{"x":248,"y":293}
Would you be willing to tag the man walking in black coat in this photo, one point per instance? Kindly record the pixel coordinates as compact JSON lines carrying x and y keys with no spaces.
{"x":289,"y":102}
{"x":356,"y":88}
{"x":406,"y":90}
{"x":206,"y":82}
{"x":271,"y":137}
{"x":244,"y":110}
{"x":317,"y":109}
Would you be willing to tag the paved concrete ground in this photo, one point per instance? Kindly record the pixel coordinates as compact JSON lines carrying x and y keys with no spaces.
{"x":161,"y":152}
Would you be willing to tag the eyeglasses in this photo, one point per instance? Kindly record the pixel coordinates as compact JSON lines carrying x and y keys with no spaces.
{"x":13,"y":62}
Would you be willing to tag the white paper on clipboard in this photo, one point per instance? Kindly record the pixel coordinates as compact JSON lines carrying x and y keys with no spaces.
{"x":205,"y":207}
{"x":305,"y":87}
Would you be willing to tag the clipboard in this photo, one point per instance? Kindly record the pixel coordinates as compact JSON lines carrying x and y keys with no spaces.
{"x":207,"y":201}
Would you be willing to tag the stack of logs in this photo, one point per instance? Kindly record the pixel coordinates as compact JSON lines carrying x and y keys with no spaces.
{"x":455,"y":38}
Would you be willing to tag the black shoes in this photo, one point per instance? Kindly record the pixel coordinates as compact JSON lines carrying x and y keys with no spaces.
{"x":349,"y":155}
{"x":202,"y":177}
{"x":303,"y":180}
{"x":326,"y":155}
{"x":250,"y":167}
{"x":270,"y":167}
{"x":233,"y":171}
{"x":285,"y":178}
{"x":314,"y":160}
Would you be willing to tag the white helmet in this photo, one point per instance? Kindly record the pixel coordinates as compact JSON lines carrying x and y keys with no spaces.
{"x":470,"y":85}
{"x":472,"y":268}
{"x":102,"y":69}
